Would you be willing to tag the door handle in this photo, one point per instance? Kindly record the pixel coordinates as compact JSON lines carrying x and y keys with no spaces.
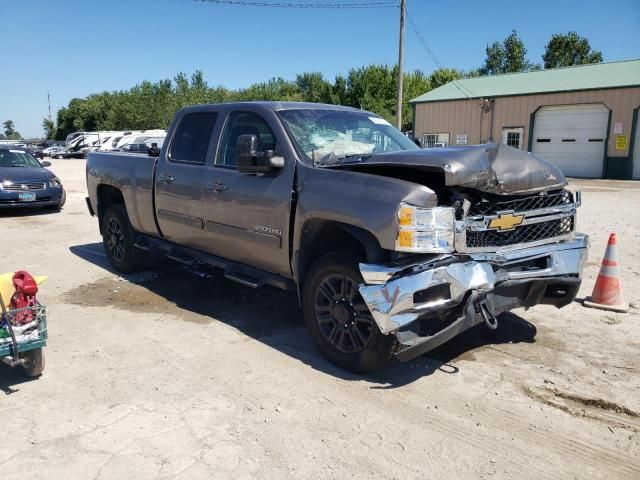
{"x":218,"y":186}
{"x":167,"y":179}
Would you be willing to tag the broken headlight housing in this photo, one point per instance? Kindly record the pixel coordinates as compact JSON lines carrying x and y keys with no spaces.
{"x":425,"y":230}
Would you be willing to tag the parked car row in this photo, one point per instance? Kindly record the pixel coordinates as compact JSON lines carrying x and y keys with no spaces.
{"x":78,"y":144}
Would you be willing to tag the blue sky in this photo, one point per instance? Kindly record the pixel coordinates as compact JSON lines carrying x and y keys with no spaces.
{"x":74,"y":48}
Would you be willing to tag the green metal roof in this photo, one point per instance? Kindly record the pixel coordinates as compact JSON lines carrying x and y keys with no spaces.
{"x":582,"y":77}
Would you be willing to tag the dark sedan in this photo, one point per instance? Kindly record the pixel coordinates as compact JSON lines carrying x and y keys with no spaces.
{"x":134,"y":148}
{"x":24,"y":182}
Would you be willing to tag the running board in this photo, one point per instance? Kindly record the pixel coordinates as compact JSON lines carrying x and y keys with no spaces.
{"x":243,"y":279}
{"x":238,"y":272}
{"x":183,"y":259}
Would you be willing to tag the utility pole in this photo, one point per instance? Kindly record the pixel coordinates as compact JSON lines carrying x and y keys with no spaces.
{"x":403,"y":9}
{"x":49,"y":103}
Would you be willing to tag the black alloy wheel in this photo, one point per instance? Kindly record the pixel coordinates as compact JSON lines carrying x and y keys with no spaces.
{"x":114,"y":236}
{"x":342,"y":316}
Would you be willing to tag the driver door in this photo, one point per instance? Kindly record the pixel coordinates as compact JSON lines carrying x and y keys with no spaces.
{"x":247,"y":215}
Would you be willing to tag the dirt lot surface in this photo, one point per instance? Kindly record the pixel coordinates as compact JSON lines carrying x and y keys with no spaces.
{"x":175,"y":373}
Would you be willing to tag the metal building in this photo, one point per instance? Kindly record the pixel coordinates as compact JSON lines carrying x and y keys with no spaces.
{"x":583,"y":118}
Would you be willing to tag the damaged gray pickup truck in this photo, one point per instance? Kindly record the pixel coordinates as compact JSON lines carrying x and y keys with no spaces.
{"x":392,"y":249}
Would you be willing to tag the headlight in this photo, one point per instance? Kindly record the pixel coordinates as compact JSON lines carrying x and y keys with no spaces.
{"x":5,"y":183}
{"x":55,"y":183}
{"x":425,"y":230}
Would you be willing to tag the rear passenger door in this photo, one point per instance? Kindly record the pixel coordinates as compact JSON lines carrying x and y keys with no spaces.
{"x":180,"y":180}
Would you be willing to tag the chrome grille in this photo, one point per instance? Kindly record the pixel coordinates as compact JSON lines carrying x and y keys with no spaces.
{"x":522,"y":204}
{"x":544,"y":218}
{"x":24,"y":187}
{"x":524,"y":234}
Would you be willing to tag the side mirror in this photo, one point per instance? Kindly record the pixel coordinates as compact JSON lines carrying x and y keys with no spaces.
{"x":250,"y":159}
{"x":153,"y":151}
{"x":46,"y":163}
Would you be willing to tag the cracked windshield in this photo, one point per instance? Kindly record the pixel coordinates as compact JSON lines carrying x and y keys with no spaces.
{"x":328,"y":137}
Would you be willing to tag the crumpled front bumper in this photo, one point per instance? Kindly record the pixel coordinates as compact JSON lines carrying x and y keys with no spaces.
{"x":476,"y":286}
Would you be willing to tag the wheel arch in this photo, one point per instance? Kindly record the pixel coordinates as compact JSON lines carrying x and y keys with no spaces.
{"x":320,"y":237}
{"x":108,"y":195}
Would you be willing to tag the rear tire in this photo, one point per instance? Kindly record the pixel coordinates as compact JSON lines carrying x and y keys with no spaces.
{"x":118,"y":238}
{"x":33,"y":363}
{"x":339,"y":321}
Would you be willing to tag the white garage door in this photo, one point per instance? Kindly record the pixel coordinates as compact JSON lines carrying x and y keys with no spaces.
{"x":573,"y":137}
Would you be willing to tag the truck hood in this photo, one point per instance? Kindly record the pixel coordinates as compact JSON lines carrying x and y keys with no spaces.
{"x":491,"y":168}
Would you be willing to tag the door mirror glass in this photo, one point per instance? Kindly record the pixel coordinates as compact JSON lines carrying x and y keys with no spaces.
{"x":46,"y":163}
{"x":251,"y":159}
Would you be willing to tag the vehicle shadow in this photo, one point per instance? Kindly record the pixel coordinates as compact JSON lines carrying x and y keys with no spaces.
{"x":25,"y":212}
{"x":273,"y":317}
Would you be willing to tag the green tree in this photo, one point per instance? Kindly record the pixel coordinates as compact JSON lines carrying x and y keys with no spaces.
{"x":570,"y":49}
{"x":442,"y":76}
{"x":314,"y":88}
{"x":414,"y":84}
{"x":10,"y":131}
{"x":373,"y":88}
{"x":8,"y":128}
{"x":49,"y":128}
{"x":506,"y":57}
{"x":152,"y":104}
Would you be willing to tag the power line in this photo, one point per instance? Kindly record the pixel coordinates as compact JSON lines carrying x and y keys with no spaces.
{"x":468,"y":93}
{"x":309,"y":5}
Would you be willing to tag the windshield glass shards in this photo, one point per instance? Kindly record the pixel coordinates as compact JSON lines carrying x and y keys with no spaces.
{"x":330,"y":137}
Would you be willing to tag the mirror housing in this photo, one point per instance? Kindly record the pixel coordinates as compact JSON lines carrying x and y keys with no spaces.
{"x":46,"y":163}
{"x":250,"y":159}
{"x":153,"y":151}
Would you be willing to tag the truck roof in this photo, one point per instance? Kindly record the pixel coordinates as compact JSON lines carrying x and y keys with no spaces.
{"x":273,"y":105}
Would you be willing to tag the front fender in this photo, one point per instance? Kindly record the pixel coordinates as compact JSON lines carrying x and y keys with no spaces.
{"x":368,"y":202}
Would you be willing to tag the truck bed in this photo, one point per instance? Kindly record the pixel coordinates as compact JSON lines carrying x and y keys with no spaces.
{"x":133,"y":175}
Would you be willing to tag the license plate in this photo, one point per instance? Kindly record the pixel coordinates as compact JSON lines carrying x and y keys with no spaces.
{"x":27,"y":197}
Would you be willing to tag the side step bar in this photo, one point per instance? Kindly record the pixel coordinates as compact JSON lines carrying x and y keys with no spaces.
{"x":185,"y":260}
{"x":243,"y":274}
{"x":246,"y":281}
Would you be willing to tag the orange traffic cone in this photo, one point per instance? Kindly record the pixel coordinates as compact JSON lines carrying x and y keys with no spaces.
{"x":607,"y":292}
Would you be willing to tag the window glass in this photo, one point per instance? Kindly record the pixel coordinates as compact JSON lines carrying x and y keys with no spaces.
{"x":513,"y":139}
{"x":17,"y":158}
{"x":430,"y":140}
{"x":191,"y":140}
{"x":243,"y":123}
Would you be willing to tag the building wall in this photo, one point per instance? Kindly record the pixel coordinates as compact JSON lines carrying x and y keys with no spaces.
{"x":465,"y":116}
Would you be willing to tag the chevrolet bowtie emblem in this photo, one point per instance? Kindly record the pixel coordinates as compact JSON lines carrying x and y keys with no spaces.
{"x":506,"y":221}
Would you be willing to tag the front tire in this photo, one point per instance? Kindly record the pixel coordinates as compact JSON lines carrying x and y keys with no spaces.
{"x":118,"y":238}
{"x":339,"y":321}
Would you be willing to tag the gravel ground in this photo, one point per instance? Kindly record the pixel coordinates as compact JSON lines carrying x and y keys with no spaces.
{"x":176,"y":373}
